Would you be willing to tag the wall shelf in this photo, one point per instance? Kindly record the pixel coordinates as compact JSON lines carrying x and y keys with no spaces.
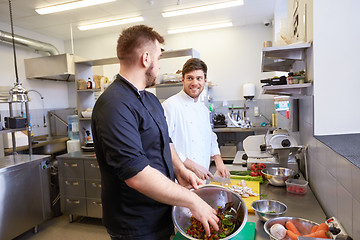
{"x":282,"y":58}
{"x":288,"y":90}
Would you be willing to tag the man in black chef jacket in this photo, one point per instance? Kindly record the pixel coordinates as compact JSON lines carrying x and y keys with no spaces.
{"x":137,"y":160}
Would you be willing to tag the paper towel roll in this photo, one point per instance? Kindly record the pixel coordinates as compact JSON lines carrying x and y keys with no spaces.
{"x":73,"y":145}
{"x":249,"y":90}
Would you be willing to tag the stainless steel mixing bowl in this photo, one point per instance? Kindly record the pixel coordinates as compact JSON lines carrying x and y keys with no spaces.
{"x":215,"y":196}
{"x":268,"y":209}
{"x":303,"y":225}
{"x":278,"y":175}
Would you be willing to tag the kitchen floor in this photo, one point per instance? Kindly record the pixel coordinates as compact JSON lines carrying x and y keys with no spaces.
{"x":60,"y":228}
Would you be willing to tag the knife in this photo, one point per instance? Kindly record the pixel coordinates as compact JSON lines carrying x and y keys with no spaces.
{"x":221,"y":180}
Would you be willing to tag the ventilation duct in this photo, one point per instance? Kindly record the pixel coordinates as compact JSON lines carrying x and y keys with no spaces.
{"x":29,"y":43}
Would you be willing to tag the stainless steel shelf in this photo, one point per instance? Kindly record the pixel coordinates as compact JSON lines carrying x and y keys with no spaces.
{"x":282,"y":58}
{"x":12,"y":130}
{"x":90,"y":90}
{"x":288,"y":90}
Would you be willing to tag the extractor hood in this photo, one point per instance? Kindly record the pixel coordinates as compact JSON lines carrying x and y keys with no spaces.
{"x":58,"y":67}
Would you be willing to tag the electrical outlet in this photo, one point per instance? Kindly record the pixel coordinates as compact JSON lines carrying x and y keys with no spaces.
{"x":256,"y":111}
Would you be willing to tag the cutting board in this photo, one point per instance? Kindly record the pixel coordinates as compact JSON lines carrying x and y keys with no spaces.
{"x":254,"y":185}
{"x":247,"y":233}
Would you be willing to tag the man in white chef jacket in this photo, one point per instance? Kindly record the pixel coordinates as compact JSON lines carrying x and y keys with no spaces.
{"x":189,"y":126}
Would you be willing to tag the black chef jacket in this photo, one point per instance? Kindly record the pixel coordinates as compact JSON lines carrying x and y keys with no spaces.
{"x":130,"y":132}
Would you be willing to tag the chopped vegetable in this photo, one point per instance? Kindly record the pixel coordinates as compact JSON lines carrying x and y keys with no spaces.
{"x":290,"y":226}
{"x":318,"y":234}
{"x":228,"y":222}
{"x":240,"y":173}
{"x":248,"y":178}
{"x":292,"y":235}
{"x":314,"y":228}
{"x":323,"y":226}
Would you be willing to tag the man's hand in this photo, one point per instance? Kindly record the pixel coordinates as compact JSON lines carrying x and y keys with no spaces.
{"x":220,"y":167}
{"x":188,"y":179}
{"x":199,"y":170}
{"x":205,"y":214}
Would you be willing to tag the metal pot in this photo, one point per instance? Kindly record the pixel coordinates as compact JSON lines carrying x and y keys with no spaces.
{"x":215,"y":196}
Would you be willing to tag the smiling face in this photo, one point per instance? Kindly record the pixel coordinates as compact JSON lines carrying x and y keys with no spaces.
{"x":193,"y":83}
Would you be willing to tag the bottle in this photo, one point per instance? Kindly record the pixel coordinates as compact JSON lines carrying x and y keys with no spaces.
{"x":73,"y":122}
{"x":89,"y":83}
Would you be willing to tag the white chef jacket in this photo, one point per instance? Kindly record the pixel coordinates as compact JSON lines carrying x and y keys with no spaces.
{"x":190,"y":129}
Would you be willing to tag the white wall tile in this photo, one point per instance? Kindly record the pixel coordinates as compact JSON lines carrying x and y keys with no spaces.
{"x":344,"y":207}
{"x":322,"y":153}
{"x":329,"y":195}
{"x":331,"y":161}
{"x":356,"y":220}
{"x":343,"y":172}
{"x":355,"y":181}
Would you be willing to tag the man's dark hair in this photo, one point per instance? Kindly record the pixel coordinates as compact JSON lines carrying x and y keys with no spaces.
{"x":194,"y":64}
{"x":132,"y":39}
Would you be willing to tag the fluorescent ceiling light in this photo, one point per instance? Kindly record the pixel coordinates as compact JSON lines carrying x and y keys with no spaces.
{"x":203,"y":8}
{"x":200,"y":27}
{"x":70,"y":6}
{"x":110,"y":23}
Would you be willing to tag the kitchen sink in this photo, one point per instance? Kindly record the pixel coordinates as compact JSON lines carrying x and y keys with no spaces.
{"x":50,"y":145}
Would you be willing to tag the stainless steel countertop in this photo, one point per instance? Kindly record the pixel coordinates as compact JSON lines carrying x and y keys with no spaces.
{"x":303,"y":206}
{"x":238,"y":129}
{"x":19,"y":160}
{"x":78,"y":155}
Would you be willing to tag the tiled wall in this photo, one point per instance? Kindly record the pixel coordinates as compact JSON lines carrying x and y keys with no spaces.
{"x":334,"y":180}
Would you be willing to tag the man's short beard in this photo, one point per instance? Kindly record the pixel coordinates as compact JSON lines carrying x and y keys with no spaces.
{"x":150,"y":79}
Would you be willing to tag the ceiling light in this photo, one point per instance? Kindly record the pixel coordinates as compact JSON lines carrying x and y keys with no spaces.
{"x":200,"y":27}
{"x":203,"y":8}
{"x":110,"y":23}
{"x":70,"y":6}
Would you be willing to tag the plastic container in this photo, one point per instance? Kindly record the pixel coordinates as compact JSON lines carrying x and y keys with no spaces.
{"x":73,"y":121}
{"x":296,"y":186}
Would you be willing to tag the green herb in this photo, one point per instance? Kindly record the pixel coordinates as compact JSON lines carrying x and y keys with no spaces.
{"x":248,"y":178}
{"x":240,"y":173}
{"x":262,"y":196}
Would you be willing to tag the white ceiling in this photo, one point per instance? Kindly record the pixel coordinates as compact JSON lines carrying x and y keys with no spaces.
{"x":58,"y":25}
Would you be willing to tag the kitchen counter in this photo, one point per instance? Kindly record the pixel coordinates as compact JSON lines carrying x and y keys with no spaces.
{"x":304,"y":206}
{"x":24,"y":193}
{"x":16,"y":161}
{"x":347,"y":145}
{"x":238,"y":129}
{"x":78,"y":155}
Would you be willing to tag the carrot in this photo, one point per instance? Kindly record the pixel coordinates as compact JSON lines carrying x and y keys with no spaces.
{"x":292,"y":235}
{"x":318,"y":234}
{"x":290,"y":226}
{"x":314,"y":228}
{"x":323,"y":226}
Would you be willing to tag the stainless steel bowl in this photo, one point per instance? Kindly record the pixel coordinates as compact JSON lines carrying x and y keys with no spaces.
{"x":303,"y":225}
{"x":278,"y":175}
{"x":215,"y":196}
{"x":268,"y":209}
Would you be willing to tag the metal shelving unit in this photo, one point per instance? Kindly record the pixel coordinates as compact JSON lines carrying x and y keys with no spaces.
{"x":282,"y":59}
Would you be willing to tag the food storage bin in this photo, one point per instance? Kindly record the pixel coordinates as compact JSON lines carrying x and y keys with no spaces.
{"x":297,"y":186}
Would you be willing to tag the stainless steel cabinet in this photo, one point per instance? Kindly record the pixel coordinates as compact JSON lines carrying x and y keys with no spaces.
{"x":80,"y":187}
